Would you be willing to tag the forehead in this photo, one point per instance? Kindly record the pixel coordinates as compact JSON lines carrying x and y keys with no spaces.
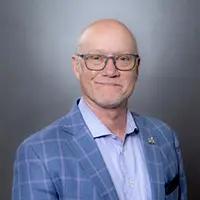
{"x":107,"y":39}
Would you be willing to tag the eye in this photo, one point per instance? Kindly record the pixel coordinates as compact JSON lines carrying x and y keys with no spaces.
{"x":124,"y":58}
{"x":97,"y":57}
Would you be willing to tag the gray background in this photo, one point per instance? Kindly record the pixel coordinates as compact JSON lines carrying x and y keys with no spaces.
{"x":37,"y":86}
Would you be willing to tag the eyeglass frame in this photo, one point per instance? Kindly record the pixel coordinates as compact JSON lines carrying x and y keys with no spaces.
{"x":84,"y":56}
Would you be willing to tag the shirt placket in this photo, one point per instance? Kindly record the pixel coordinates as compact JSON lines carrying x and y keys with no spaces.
{"x":131,"y":190}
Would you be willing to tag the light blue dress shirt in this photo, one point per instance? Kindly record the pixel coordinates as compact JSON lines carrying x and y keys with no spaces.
{"x":125,"y":161}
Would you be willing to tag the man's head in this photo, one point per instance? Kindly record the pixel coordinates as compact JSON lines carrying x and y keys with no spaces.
{"x":103,"y":81}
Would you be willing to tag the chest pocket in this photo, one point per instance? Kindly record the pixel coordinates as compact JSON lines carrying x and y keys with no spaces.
{"x":172,"y":188}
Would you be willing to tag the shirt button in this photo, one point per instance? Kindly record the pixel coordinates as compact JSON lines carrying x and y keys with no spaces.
{"x":113,"y":136}
{"x":131,"y":182}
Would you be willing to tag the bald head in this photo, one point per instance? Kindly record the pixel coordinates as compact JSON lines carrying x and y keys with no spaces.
{"x":107,"y":35}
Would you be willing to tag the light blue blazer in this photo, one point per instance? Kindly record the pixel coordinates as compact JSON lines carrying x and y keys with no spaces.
{"x":63,"y":162}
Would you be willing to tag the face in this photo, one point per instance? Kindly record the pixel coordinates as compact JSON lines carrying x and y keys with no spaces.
{"x":108,"y":88}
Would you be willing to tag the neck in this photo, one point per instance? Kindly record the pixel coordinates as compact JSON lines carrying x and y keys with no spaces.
{"x":113,"y":118}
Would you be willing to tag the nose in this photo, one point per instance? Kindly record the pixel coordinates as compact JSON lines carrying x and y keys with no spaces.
{"x":110,"y":68}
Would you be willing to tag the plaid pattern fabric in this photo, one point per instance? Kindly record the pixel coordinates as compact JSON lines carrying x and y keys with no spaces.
{"x":63,"y":161}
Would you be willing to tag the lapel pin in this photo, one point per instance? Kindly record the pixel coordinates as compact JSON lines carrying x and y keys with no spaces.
{"x":151,"y":140}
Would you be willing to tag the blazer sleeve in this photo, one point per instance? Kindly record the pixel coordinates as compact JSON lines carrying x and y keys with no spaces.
{"x":31,"y":180}
{"x":182,"y":177}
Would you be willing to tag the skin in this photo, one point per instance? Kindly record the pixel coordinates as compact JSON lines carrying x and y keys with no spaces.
{"x":107,"y":92}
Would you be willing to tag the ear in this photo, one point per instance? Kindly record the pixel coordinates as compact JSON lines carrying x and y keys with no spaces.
{"x":76,"y":66}
{"x":138,"y":61}
{"x":137,"y":66}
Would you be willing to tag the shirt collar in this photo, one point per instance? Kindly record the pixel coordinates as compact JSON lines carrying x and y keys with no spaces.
{"x":96,"y":127}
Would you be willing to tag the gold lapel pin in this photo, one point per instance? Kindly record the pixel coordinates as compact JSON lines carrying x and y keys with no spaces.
{"x":151,"y":140}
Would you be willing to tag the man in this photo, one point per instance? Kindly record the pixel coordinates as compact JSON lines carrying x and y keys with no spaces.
{"x":100,"y":149}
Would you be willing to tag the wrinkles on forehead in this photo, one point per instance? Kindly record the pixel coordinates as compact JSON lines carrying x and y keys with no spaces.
{"x":106,"y":28}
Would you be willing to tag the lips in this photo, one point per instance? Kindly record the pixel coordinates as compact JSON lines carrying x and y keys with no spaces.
{"x":107,"y":83}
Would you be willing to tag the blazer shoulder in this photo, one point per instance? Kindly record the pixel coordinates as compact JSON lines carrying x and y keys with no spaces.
{"x":51,"y":132}
{"x":156,"y":126}
{"x":59,"y":130}
{"x":148,"y":121}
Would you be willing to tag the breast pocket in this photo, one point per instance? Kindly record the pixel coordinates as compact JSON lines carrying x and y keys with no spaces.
{"x":174,"y":195}
{"x":172,"y":189}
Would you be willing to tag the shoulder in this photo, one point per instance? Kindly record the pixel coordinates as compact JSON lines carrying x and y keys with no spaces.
{"x":148,"y":121}
{"x":54,"y":134}
{"x":48,"y":136}
{"x":154,"y":127}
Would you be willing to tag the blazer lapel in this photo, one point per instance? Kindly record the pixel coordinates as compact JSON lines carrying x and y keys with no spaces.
{"x":150,"y":144}
{"x":86,"y":151}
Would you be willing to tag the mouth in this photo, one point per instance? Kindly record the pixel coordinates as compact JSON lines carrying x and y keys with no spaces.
{"x":108,"y":84}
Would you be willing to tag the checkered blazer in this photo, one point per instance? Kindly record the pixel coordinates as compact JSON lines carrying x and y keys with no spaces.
{"x":63,"y":162}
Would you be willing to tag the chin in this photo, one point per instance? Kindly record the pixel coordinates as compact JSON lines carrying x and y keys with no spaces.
{"x":107,"y":103}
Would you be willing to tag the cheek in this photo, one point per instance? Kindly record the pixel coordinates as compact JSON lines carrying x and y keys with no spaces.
{"x":129,"y":84}
{"x":86,"y":77}
{"x":129,"y":80}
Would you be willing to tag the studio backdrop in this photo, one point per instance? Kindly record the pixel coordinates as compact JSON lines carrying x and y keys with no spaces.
{"x":37,"y":85}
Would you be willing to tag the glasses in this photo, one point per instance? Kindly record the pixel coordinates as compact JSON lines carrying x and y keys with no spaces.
{"x":97,"y":62}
